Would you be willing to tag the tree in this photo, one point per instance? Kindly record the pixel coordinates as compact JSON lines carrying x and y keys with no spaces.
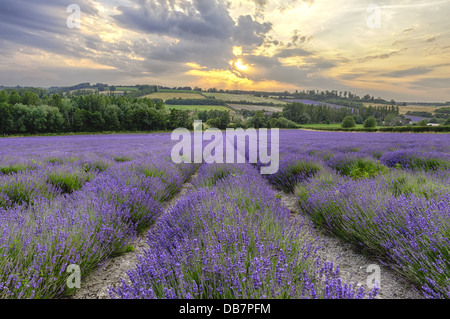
{"x":304,"y":119}
{"x":389,"y":120}
{"x":258,"y":120}
{"x":423,"y":122}
{"x":56,"y":100}
{"x":30,"y":98}
{"x":348,"y":122}
{"x":358,"y":119}
{"x":4,"y":97}
{"x":370,"y":122}
{"x":447,"y":122}
{"x":14,"y":98}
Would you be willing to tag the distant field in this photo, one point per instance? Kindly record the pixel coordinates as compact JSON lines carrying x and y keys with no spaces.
{"x":176,"y":91}
{"x":126,"y":88}
{"x":256,"y":107}
{"x":198,"y":107}
{"x":407,"y":108}
{"x":174,"y":95}
{"x":242,"y":97}
{"x":92,"y":90}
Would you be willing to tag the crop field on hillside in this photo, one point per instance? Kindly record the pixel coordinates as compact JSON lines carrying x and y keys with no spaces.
{"x":82,"y":200}
{"x":256,"y":107}
{"x":174,"y":95}
{"x":228,"y":97}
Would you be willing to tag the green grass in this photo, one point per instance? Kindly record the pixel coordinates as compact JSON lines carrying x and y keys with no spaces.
{"x":198,"y":107}
{"x":126,"y":88}
{"x":96,"y":166}
{"x":11,"y":169}
{"x":68,"y":182}
{"x":323,"y":126}
{"x":122,"y":159}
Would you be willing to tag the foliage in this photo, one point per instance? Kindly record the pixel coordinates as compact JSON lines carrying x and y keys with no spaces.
{"x":348,"y":122}
{"x":370,"y":122}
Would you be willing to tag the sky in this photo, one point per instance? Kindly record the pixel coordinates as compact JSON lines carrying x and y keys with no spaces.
{"x":391,"y":49}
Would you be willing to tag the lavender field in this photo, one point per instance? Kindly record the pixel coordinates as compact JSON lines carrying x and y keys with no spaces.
{"x":83,"y":199}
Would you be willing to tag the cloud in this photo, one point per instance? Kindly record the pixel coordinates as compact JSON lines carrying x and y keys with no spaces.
{"x":249,"y":32}
{"x":379,"y":56}
{"x":285,"y":53}
{"x":432,"y":82}
{"x":408,"y":72}
{"x":197,"y":20}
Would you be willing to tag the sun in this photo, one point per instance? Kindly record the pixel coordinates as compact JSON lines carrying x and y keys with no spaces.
{"x":240,"y":66}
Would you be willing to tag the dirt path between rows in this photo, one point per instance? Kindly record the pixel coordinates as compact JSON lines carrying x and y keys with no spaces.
{"x":95,"y":286}
{"x":353,"y":265}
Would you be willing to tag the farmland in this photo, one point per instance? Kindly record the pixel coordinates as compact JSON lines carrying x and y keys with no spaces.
{"x":174,"y":95}
{"x":83,"y":199}
{"x":256,"y":107}
{"x":228,"y":97}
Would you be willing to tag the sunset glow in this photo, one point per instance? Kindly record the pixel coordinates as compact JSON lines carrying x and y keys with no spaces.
{"x":393,"y":51}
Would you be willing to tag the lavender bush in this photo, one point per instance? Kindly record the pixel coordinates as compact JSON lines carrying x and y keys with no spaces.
{"x":232,"y":238}
{"x":77,"y":205}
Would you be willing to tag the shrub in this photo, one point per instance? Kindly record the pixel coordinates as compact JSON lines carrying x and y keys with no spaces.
{"x":348,"y":122}
{"x":370,"y":122}
{"x":355,"y":166}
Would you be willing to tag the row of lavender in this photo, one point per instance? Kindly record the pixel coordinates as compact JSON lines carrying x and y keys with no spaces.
{"x":232,"y":238}
{"x":77,"y":200}
{"x":388,"y":193}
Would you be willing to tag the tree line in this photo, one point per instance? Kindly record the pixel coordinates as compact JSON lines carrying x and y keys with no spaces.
{"x":29,"y":114}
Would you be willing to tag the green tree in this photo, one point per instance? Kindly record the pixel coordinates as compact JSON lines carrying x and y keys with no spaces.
{"x":258,"y":120}
{"x":30,"y":98}
{"x":305,"y":119}
{"x":112,"y":122}
{"x":14,"y":98}
{"x":348,"y":122}
{"x":56,"y":100}
{"x":389,"y":120}
{"x":6,"y":118}
{"x":4,"y":96}
{"x":423,"y":122}
{"x":370,"y":122}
